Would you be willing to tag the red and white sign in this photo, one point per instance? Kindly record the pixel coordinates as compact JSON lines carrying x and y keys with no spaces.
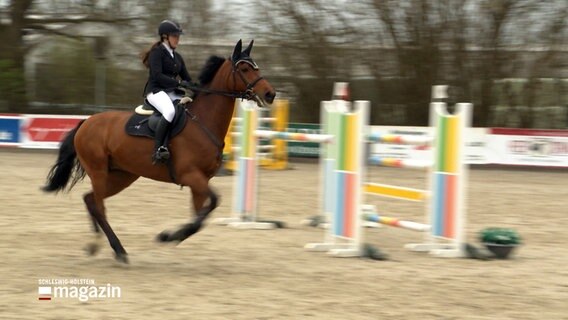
{"x":45,"y":131}
{"x":533,"y":147}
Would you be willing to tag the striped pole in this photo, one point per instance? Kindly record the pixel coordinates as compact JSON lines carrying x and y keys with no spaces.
{"x":398,"y":163}
{"x":378,"y":137}
{"x":293,"y":136}
{"x":393,"y":222}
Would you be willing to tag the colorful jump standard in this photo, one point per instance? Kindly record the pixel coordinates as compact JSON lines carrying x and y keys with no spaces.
{"x":444,"y":199}
{"x":245,"y":191}
{"x":448,"y":182}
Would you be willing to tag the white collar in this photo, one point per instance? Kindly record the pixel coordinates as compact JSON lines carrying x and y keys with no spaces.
{"x":167,"y":46}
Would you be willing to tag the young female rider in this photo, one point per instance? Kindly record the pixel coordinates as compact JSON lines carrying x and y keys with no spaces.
{"x":167,"y":72}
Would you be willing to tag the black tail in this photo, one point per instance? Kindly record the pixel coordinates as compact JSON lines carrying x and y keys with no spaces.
{"x":67,"y":166}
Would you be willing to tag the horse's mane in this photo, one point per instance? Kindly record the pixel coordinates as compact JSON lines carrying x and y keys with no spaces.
{"x":210,"y":69}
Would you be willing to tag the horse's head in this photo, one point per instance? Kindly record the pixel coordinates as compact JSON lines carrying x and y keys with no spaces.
{"x":247,"y":78}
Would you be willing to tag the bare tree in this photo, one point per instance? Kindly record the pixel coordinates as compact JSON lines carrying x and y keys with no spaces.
{"x":410,"y":45}
{"x":547,"y":62}
{"x":309,"y":38}
{"x":404,"y":47}
{"x":12,"y":54}
{"x":22,"y":24}
{"x":463,"y":43}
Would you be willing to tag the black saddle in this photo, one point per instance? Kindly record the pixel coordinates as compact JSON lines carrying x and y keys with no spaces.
{"x":145,"y":125}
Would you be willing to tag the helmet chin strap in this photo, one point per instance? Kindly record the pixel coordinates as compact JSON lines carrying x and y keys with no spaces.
{"x":167,"y":38}
{"x":169,"y":43}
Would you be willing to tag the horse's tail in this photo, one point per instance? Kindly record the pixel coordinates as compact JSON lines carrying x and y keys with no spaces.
{"x":67,"y":168}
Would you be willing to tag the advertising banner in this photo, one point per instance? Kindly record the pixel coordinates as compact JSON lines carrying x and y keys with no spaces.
{"x":474,"y":150}
{"x":303,"y":149}
{"x":46,"y":131}
{"x":528,"y":147}
{"x":10,"y":131}
{"x":475,"y":143}
{"x":531,"y":147}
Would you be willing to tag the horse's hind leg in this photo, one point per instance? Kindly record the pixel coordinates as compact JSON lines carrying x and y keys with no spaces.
{"x":93,"y":247}
{"x":116,"y":182}
{"x":106,"y":184}
{"x":200,"y":191}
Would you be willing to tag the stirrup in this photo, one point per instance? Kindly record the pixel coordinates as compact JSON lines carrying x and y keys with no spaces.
{"x":161,"y":155}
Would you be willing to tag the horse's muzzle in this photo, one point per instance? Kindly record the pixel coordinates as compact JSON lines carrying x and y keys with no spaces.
{"x":269,"y":96}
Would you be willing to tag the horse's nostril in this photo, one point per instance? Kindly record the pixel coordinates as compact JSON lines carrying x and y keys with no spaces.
{"x":269,"y":96}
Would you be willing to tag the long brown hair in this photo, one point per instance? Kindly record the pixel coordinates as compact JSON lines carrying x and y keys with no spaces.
{"x":146,"y":54}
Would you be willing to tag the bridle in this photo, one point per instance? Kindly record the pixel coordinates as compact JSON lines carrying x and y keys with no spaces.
{"x":248,"y":93}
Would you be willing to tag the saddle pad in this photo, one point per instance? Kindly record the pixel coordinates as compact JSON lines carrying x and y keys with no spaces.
{"x":138,"y":125}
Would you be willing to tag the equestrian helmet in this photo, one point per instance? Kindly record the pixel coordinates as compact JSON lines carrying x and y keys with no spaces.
{"x":169,"y":27}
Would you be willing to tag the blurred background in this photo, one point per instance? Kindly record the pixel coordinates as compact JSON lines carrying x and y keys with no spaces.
{"x":508,"y":57}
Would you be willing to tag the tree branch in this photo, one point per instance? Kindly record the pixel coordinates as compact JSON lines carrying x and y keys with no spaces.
{"x":36,"y":21}
{"x":28,"y":47}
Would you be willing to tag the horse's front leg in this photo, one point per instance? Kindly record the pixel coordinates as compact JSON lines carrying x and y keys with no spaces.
{"x":201,"y":193}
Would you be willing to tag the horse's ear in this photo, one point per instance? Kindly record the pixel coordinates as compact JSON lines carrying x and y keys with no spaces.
{"x":237,"y":51}
{"x":249,"y":48}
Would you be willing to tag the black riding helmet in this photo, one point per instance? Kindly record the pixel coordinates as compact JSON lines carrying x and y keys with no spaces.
{"x":169,"y":27}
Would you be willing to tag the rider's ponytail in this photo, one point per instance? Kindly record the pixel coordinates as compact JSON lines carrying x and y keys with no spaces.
{"x":146,"y":54}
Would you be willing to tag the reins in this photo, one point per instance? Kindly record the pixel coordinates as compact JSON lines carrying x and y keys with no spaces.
{"x":219,"y":92}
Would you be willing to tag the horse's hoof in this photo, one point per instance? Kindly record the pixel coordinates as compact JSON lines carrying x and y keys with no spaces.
{"x":164,"y":236}
{"x":92,"y":248}
{"x":123,"y":258}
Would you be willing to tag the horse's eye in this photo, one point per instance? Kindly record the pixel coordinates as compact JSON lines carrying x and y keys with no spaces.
{"x":245,"y":70}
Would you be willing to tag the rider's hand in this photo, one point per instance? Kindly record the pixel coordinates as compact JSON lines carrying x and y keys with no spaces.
{"x":186,"y":84}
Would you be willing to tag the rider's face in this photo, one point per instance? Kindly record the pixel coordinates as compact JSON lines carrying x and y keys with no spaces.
{"x":174,"y":40}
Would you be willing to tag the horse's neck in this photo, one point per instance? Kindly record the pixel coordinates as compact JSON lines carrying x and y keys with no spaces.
{"x":215,"y":113}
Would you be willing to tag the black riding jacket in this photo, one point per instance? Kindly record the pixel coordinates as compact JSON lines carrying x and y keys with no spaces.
{"x":164,"y":70}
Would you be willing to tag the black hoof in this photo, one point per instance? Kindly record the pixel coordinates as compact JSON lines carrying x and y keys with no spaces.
{"x":123,"y":258}
{"x":164,"y":236}
{"x":315,"y":221}
{"x":373,"y":253}
{"x":92,"y":249}
{"x":180,"y":235}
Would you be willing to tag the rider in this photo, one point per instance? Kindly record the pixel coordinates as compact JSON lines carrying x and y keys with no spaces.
{"x":167,"y":72}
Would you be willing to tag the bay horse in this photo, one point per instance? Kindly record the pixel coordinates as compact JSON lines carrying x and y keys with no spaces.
{"x":100,"y":148}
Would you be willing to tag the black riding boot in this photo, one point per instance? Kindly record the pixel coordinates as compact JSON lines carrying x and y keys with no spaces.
{"x":161,"y":152}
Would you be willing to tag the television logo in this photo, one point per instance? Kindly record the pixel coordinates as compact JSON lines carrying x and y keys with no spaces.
{"x":80,"y":289}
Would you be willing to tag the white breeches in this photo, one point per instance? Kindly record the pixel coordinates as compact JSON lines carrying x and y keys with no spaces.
{"x":164,"y":103}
